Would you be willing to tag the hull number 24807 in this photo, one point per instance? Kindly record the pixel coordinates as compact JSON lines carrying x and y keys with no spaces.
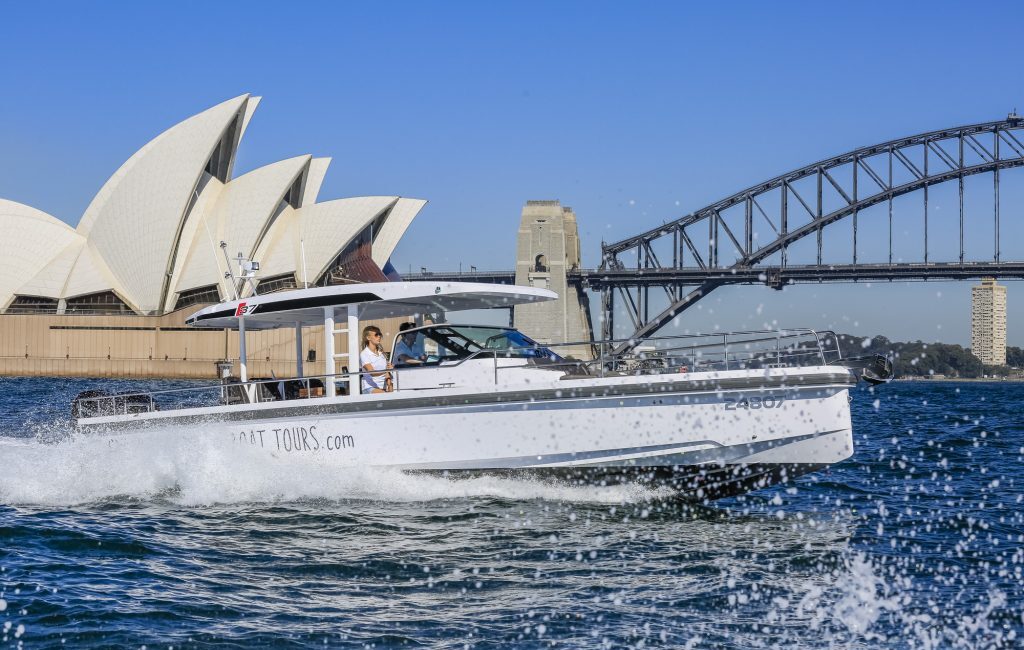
{"x":769,"y":402}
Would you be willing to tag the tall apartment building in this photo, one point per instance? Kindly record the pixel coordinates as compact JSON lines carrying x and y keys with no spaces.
{"x":988,"y":322}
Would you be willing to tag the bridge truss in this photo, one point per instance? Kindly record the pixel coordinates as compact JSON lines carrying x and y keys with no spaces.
{"x":724,"y":243}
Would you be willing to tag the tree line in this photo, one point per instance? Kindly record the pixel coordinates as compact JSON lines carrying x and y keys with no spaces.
{"x":925,"y":359}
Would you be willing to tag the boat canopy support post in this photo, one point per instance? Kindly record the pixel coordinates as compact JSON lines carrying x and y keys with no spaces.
{"x":329,"y":345}
{"x":298,"y":350}
{"x":243,"y":372}
{"x":352,"y":330}
{"x":353,"y":350}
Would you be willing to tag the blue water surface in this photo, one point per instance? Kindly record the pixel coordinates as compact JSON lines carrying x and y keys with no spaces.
{"x":916,"y":542}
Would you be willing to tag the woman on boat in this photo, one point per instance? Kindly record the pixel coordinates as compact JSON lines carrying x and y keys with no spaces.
{"x":374,"y":365}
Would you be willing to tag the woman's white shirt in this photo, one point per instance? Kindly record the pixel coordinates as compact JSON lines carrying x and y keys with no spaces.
{"x":375,"y":360}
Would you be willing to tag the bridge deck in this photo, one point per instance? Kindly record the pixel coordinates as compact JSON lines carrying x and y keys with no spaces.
{"x":771,"y":276}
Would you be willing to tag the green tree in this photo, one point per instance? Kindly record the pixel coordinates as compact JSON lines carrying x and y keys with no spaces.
{"x":921,"y":359}
{"x":1014,"y":357}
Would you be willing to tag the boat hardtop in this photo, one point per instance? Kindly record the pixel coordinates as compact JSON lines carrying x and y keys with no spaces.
{"x":370,"y":301}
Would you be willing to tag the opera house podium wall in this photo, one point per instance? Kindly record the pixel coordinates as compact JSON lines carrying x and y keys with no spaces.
{"x":151,"y":346}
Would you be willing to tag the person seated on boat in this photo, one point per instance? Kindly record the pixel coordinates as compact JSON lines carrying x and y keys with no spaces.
{"x":375,"y":377}
{"x":409,"y":349}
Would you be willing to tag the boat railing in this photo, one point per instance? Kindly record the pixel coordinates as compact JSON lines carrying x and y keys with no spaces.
{"x":228,"y":392}
{"x":253,"y":391}
{"x":697,"y":352}
{"x":655,"y":355}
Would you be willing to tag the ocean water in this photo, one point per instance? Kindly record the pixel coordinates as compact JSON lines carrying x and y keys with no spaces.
{"x":916,"y":542}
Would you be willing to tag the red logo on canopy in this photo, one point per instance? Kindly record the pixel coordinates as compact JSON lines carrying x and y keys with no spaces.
{"x":241,"y":310}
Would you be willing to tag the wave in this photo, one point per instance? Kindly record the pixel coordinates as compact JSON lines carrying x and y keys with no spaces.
{"x":60,"y":468}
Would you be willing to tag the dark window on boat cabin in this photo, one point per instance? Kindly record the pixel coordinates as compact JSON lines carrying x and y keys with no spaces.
{"x":454,"y":342}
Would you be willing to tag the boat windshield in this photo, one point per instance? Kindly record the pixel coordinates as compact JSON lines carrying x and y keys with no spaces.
{"x":454,"y":342}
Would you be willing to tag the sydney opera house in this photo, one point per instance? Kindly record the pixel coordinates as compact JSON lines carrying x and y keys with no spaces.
{"x":109,"y":297}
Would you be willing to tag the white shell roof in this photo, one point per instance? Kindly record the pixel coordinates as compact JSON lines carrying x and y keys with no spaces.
{"x":249,"y":202}
{"x":279,"y":252}
{"x":401,"y":216}
{"x":52,"y":278}
{"x":314,"y":179}
{"x":135,"y":219}
{"x":199,"y":262}
{"x":41,"y":239}
{"x":323,"y":226}
{"x":92,"y":275}
{"x":322,"y":230}
{"x":375,"y":300}
{"x":147,"y":233}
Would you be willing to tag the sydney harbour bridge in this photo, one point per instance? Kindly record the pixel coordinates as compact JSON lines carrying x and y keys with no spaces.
{"x":926,"y":206}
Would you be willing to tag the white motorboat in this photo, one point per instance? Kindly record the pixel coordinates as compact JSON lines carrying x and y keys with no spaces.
{"x":706,"y":415}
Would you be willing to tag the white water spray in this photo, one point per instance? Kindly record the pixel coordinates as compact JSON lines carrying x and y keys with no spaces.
{"x":157,"y":464}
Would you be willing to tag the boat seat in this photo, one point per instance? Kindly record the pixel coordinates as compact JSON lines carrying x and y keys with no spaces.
{"x":297,"y":388}
{"x":343,"y":389}
{"x":234,"y":391}
{"x":269,"y":392}
{"x":579,"y":370}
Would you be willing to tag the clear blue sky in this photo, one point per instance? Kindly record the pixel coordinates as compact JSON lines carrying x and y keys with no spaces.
{"x":632,"y":114}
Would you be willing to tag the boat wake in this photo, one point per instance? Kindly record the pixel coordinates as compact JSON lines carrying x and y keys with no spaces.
{"x":62,"y":468}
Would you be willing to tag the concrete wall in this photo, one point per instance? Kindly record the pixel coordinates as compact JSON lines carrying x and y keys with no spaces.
{"x":151,"y":346}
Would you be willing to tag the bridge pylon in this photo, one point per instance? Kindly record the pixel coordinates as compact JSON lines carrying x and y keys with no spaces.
{"x":548,"y":249}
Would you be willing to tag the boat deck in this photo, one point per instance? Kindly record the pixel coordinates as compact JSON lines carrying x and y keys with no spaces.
{"x":695,"y":353}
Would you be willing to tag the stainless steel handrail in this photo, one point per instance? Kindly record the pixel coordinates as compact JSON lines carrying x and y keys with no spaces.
{"x":221,"y":388}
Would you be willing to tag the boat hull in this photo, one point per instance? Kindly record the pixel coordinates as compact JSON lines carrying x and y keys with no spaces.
{"x":702,"y":437}
{"x":690,"y":482}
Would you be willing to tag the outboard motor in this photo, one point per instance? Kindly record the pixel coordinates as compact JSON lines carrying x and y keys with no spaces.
{"x":874,"y":368}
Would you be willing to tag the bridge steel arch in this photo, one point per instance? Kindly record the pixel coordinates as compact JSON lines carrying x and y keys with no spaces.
{"x":921,"y":161}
